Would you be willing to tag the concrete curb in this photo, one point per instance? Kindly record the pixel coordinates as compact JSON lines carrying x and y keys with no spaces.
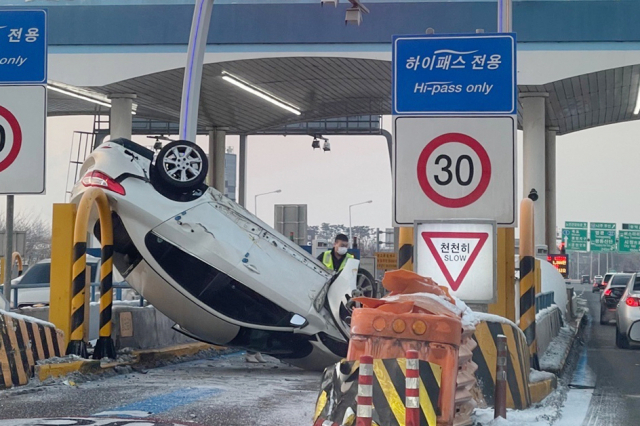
{"x":579,"y":325}
{"x":540,"y":390}
{"x":141,"y":358}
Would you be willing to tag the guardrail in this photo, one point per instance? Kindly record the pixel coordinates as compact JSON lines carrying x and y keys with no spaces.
{"x":544,"y":300}
{"x":117,"y":286}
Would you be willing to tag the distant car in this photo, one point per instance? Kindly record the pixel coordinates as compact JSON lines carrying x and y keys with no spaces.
{"x":597,"y":283}
{"x":611,"y":296}
{"x":628,"y":314}
{"x":585,"y":279}
{"x":39,"y":275}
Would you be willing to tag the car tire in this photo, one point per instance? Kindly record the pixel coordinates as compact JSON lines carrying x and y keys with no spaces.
{"x":622,"y":341}
{"x":367,"y":284}
{"x":181,"y":165}
{"x":602,"y":320}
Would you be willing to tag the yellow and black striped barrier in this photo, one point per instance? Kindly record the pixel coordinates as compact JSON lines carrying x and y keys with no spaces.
{"x":528,"y":279}
{"x":485,"y":356}
{"x":337,"y":398}
{"x":105,"y":346}
{"x":405,"y":248}
{"x":22,"y":344}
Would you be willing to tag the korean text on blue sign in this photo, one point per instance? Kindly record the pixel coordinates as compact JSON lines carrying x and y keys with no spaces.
{"x":454,"y":74}
{"x":23,"y":46}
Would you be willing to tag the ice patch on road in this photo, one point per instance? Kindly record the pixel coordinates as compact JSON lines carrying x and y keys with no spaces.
{"x":130,"y":413}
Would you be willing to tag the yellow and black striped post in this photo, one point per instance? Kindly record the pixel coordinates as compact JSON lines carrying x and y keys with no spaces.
{"x":105,"y":346}
{"x":528,"y":279}
{"x":405,"y":248}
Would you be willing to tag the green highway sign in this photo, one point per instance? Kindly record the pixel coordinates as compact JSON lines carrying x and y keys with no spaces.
{"x":576,"y":225}
{"x":603,"y":240}
{"x":631,"y":226}
{"x":576,"y":239}
{"x":602,"y":225}
{"x":629,"y":241}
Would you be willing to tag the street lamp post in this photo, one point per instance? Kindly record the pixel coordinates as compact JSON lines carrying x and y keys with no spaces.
{"x":255,"y":202}
{"x":350,"y":233}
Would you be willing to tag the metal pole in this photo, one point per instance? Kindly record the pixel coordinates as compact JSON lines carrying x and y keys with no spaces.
{"x":505,"y":16}
{"x":578,"y":265}
{"x":8,"y":249}
{"x":242,"y":171}
{"x":599,"y":263}
{"x":255,"y":205}
{"x":193,"y":70}
{"x":590,"y":265}
{"x":500,"y":409}
{"x":350,"y":235}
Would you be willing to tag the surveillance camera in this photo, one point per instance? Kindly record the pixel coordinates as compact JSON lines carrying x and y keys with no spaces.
{"x":315,"y":144}
{"x":327,"y":146}
{"x":533,"y":195}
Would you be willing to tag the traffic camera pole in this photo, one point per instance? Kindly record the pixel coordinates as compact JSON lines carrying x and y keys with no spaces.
{"x":8,"y":250}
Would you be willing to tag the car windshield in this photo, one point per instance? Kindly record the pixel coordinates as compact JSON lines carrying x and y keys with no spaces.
{"x":607,"y":278}
{"x":620,"y":280}
{"x":598,"y":280}
{"x":40,"y":273}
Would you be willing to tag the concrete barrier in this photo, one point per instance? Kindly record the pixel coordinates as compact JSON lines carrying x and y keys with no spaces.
{"x":518,"y":362}
{"x":23,"y":342}
{"x":548,"y":324}
{"x":134,"y":327}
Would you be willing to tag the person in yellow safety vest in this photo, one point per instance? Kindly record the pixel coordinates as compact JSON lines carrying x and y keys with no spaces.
{"x":336,"y":258}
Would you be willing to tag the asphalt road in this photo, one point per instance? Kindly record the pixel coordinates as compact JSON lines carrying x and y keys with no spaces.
{"x":616,"y":397}
{"x":223,"y":391}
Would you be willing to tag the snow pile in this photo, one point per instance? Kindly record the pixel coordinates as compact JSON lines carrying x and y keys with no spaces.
{"x":554,"y":356}
{"x":553,"y":281}
{"x":26,"y":318}
{"x":481,"y":316}
{"x":536,"y":376}
{"x":546,"y":311}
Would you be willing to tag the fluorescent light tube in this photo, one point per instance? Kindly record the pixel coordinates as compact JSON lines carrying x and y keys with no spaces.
{"x":255,"y":91}
{"x":637,"y":108}
{"x":75,"y":95}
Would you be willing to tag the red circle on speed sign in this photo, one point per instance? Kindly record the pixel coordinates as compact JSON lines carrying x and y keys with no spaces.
{"x":17,"y":138}
{"x":485,"y":177}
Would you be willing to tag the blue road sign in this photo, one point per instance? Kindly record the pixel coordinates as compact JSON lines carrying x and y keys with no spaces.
{"x":470,"y":74}
{"x":23,"y":46}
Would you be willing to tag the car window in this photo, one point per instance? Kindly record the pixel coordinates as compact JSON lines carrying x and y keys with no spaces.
{"x":607,"y":277}
{"x":37,"y":274}
{"x":636,"y":284}
{"x":620,"y":280}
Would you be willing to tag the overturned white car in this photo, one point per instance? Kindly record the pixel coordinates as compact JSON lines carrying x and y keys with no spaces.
{"x":220,"y":273}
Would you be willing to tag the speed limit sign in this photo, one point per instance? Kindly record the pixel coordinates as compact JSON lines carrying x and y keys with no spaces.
{"x":455,"y":167}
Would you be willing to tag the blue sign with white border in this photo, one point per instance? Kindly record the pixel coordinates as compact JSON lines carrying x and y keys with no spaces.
{"x":469,"y":74}
{"x":23,"y":46}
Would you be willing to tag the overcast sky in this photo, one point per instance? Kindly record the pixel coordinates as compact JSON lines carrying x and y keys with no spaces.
{"x":597,"y":170}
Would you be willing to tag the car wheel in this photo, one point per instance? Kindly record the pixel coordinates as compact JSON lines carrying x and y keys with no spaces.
{"x":367,"y":284}
{"x":181,"y":165}
{"x":603,"y":321}
{"x":621,"y":340}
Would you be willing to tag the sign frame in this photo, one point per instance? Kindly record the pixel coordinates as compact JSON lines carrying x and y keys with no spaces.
{"x":442,"y":212}
{"x":494,"y":250}
{"x":439,"y":37}
{"x":17,"y":156}
{"x":42,"y":80}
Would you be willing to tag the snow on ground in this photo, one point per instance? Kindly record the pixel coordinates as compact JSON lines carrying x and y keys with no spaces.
{"x":536,"y":376}
{"x":554,"y":356}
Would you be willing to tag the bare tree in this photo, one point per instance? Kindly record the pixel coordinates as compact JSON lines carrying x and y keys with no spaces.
{"x":38,"y":236}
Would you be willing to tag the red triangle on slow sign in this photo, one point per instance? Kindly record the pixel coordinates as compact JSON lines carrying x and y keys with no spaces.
{"x":481,"y":237}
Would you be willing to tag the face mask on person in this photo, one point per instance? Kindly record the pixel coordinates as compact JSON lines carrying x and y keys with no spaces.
{"x":342,"y":251}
